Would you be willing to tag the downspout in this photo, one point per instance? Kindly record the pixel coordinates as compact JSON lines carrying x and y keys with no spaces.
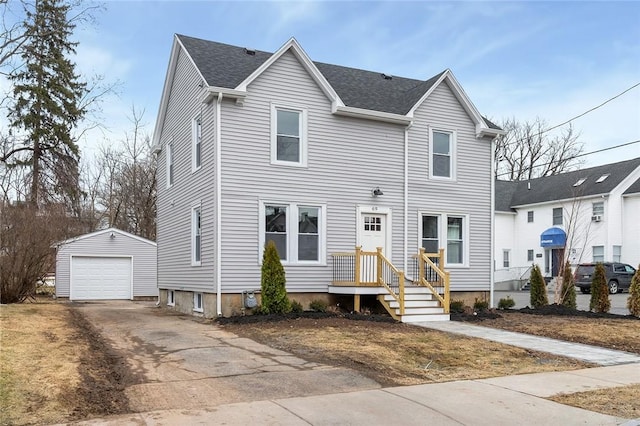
{"x":493,"y":222}
{"x":218,"y":185}
{"x":406,"y":198}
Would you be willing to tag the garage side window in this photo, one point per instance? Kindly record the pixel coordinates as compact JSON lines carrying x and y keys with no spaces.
{"x":196,"y":236}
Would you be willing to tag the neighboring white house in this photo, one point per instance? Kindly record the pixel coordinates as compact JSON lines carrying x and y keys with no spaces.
{"x":256,"y":146}
{"x":587,"y":215}
{"x":107,"y":264}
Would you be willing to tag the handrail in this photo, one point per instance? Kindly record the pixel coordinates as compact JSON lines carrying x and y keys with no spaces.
{"x":425,"y":263}
{"x":382,"y":263}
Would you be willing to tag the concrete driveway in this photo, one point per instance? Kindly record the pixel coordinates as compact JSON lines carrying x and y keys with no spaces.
{"x":184,"y":363}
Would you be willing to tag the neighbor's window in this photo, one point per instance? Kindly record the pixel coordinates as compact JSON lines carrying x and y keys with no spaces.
{"x":598,"y":253}
{"x":288,"y":144}
{"x":505,"y":258}
{"x":557,"y":216}
{"x":430,"y":231}
{"x":297,"y":230}
{"x":530,"y":216}
{"x":197,"y":302}
{"x":617,"y":253}
{"x":169,"y":164}
{"x":598,"y":208}
{"x":197,"y":143}
{"x":196,"y":236}
{"x":455,"y":240}
{"x":529,"y":255}
{"x":442,"y":146}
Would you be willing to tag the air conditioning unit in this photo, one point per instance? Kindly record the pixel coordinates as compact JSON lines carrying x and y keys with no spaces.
{"x":596,"y":218}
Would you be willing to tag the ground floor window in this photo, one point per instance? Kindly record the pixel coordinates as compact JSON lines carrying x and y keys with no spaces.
{"x":617,"y":253}
{"x":298,"y":231}
{"x":448,"y":231}
{"x":598,"y":253}
{"x":529,"y":255}
{"x":505,"y":258}
{"x":197,"y":302}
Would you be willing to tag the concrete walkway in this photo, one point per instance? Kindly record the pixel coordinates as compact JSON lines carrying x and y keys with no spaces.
{"x":497,"y":401}
{"x":593,"y":354}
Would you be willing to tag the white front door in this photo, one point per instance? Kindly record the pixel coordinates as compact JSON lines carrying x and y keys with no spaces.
{"x":373,"y":233}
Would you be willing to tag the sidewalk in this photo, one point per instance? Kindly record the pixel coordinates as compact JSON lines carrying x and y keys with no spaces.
{"x":497,"y":401}
{"x":593,"y":354}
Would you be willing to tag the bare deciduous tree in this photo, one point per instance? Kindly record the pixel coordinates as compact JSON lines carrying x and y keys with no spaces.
{"x":527,"y":151}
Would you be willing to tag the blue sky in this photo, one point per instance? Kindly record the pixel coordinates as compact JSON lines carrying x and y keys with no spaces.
{"x":554,"y":60}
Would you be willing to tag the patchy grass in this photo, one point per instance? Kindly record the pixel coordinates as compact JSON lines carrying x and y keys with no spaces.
{"x":38,"y":363}
{"x":621,"y":402}
{"x":399,"y":354}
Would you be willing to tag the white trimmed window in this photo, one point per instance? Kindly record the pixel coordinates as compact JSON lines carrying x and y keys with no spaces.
{"x":196,"y":236}
{"x":288,"y":136}
{"x":530,"y":216}
{"x":171,"y":298}
{"x":448,"y":231}
{"x":557,"y":216}
{"x":196,"y":142}
{"x":298,"y":230}
{"x":505,"y":258}
{"x":198,"y":305}
{"x":442,"y":146}
{"x":598,"y":253}
{"x":617,"y":253}
{"x":169,"y":164}
{"x":529,"y":255}
{"x":598,"y":208}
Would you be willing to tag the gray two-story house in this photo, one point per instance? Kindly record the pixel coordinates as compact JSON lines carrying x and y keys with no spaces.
{"x":349,"y":172}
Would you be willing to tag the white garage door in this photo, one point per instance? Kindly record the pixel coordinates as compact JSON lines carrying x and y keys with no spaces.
{"x":100,"y":278}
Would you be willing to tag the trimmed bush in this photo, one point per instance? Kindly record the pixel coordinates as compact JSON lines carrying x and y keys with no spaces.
{"x":599,"y":291}
{"x":318,"y":306}
{"x":456,"y":306}
{"x":633,"y":302}
{"x":568,"y":291}
{"x":538,"y":294}
{"x":506,"y":303}
{"x":296,"y":307}
{"x":272,"y":283}
{"x":480,"y":305}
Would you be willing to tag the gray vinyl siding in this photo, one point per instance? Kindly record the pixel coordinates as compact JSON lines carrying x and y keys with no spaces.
{"x":143,"y":256}
{"x":469,"y":193}
{"x":346,"y":158}
{"x":189,"y":188}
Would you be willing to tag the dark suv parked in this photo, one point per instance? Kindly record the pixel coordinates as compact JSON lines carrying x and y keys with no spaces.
{"x":618,"y":276}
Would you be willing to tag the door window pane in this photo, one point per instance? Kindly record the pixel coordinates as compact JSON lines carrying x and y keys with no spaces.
{"x":430,"y":234}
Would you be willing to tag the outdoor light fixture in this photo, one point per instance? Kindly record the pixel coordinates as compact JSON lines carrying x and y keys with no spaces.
{"x":377,"y":191}
{"x":112,"y":235}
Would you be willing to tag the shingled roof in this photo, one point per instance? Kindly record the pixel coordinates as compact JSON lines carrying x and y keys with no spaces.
{"x":561,"y":186}
{"x":634,"y":188}
{"x":226,"y":66}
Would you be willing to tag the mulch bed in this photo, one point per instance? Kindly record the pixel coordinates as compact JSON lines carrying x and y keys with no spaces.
{"x":553,"y":309}
{"x":253,"y":319}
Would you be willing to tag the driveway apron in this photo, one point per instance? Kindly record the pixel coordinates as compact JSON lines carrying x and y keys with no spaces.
{"x":185,"y":363}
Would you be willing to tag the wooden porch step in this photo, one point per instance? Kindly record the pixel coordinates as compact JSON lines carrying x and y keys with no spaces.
{"x":413,"y":303}
{"x":412,"y":297}
{"x":420,"y":311}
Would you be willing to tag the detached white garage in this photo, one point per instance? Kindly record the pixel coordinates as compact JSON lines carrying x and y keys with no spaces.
{"x":106,"y":265}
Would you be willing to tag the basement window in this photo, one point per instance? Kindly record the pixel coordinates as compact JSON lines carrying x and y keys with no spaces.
{"x":197,"y":302}
{"x":171,"y":298}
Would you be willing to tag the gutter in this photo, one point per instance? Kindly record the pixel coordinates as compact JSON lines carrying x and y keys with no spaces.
{"x":218,"y":186}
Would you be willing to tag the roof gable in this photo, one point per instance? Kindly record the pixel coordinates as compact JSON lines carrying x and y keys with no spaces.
{"x":105,"y":231}
{"x":561,"y":186}
{"x":351,"y":91}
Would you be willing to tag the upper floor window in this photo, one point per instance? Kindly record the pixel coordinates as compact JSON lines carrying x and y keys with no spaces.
{"x":446,"y":231}
{"x":298,"y":230}
{"x":196,"y":236}
{"x":288,"y":136}
{"x":442,"y":159}
{"x":196,"y":143}
{"x":530,"y":216}
{"x":169,"y":164}
{"x":598,"y":208}
{"x":557,"y":216}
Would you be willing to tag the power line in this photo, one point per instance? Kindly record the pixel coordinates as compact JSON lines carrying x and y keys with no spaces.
{"x":577,"y":156}
{"x":577,"y":116}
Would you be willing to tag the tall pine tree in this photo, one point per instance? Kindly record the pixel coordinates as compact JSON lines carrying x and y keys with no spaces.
{"x":47,"y":105}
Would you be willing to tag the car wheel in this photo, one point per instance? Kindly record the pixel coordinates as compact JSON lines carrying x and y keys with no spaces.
{"x":613,"y":287}
{"x":584,"y":290}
